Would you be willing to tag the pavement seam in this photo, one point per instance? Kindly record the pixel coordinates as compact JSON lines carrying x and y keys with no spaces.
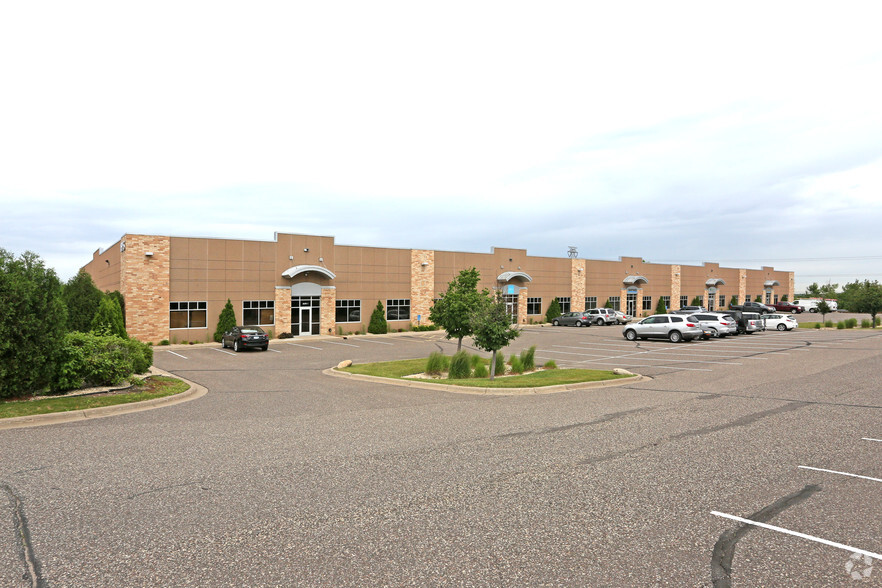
{"x":24,"y":546}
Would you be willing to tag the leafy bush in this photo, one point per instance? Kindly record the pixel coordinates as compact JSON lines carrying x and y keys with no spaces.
{"x":460,"y":366}
{"x":108,"y":319}
{"x":840,"y":325}
{"x":878,"y":320}
{"x":500,"y":364}
{"x":851,"y":323}
{"x":828,"y":324}
{"x":550,"y":365}
{"x":528,"y":359}
{"x":517,"y":366}
{"x":87,"y":359}
{"x":865,"y":323}
{"x":426,"y":327}
{"x":378,"y":324}
{"x":164,"y":342}
{"x":475,"y":361}
{"x":480,"y":371}
{"x":82,"y":298}
{"x":287,"y":335}
{"x":437,"y":363}
{"x":817,"y":325}
{"x":226,"y":320}
{"x":553,"y":310}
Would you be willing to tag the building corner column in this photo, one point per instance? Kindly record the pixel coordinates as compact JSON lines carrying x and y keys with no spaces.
{"x":422,"y":285}
{"x":577,"y":288}
{"x":282,"y":310}
{"x":675,"y":288}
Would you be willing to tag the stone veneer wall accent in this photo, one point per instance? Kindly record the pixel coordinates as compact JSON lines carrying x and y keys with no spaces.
{"x":577,"y":298}
{"x":675,"y":288}
{"x":522,"y":305}
{"x":145,"y":286}
{"x":742,"y":286}
{"x":791,"y":286}
{"x":422,"y":285}
{"x":328,"y":316}
{"x":282,"y":322}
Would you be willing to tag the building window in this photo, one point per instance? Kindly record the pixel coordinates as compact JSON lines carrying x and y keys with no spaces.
{"x":684,"y":301}
{"x":667,"y":301}
{"x":700,"y":300}
{"x":564,"y":302}
{"x":348,"y":311}
{"x":258,"y":312}
{"x":534,"y":305}
{"x":722,"y":301}
{"x":590,"y":302}
{"x":647,"y":303}
{"x":398,"y":309}
{"x":188,"y":315}
{"x":615,"y":302}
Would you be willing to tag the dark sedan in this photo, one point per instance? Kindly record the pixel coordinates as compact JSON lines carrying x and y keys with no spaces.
{"x":240,"y":338}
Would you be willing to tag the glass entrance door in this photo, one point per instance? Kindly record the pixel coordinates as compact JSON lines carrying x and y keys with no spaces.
{"x":631,"y":304}
{"x":305,"y":315}
{"x":511,"y":306}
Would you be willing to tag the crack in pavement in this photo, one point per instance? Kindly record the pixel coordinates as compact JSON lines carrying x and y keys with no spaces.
{"x":24,"y":547}
{"x":724,"y":549}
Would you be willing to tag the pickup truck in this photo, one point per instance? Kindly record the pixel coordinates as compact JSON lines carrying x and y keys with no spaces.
{"x":788,"y":307}
{"x":752,"y":307}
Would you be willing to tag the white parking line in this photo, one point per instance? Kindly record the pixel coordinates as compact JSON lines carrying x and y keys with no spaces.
{"x":841,"y":473}
{"x":178,"y":354}
{"x":868,"y":439}
{"x":377,"y":342}
{"x":630,"y":365}
{"x":301,"y":345}
{"x":221,"y":351}
{"x":797,"y":534}
{"x":632,"y":355}
{"x":274,"y":350}
{"x":335,"y":343}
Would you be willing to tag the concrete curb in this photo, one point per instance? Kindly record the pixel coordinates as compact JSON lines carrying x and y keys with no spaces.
{"x":195,"y":391}
{"x":485,"y":391}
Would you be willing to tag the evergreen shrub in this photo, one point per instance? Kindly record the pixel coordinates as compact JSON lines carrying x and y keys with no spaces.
{"x":226,"y":320}
{"x":378,"y":324}
{"x":517,"y":366}
{"x":480,"y":371}
{"x":550,"y":365}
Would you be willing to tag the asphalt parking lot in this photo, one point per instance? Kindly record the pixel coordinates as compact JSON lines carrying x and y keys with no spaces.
{"x":283,"y":476}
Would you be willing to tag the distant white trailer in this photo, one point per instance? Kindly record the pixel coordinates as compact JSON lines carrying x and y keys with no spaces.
{"x":811,"y":304}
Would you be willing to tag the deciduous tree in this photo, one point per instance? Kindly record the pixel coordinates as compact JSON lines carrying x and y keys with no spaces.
{"x":492,"y":328}
{"x":452,"y":312}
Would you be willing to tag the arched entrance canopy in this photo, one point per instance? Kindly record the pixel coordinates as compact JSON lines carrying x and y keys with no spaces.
{"x":772,"y":283}
{"x":714,"y":282}
{"x":505,"y":277}
{"x":301,"y":269}
{"x":634,"y":280}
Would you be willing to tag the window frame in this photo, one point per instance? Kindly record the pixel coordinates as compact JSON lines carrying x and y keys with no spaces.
{"x":347,"y":309}
{"x":193,"y":306}
{"x":261,"y":306}
{"x":398,"y":303}
{"x":534,"y":303}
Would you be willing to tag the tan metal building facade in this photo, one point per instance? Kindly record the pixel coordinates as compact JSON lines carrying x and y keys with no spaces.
{"x":176,"y":287}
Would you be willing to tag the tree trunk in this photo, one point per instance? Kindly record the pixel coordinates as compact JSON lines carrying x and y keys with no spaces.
{"x":459,"y":345}
{"x":493,"y":364}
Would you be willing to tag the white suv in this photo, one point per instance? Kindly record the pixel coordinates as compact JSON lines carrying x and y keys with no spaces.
{"x":603,"y":316}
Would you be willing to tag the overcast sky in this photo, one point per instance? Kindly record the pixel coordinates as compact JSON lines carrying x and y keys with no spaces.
{"x":680,"y":132}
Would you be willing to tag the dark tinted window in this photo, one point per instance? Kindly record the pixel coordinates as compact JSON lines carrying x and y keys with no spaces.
{"x":676,"y":319}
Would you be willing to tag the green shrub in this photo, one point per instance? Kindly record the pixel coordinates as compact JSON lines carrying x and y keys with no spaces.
{"x":460,"y":366}
{"x":164,"y":342}
{"x":828,"y":324}
{"x":851,"y":323}
{"x":517,"y":366}
{"x":378,"y":324}
{"x":425,"y":327}
{"x":226,"y":320}
{"x":553,"y":310}
{"x":88,"y":359}
{"x":878,"y":320}
{"x":480,"y":371}
{"x":500,"y":364}
{"x":475,"y":360}
{"x":817,"y":325}
{"x":550,"y":365}
{"x":865,"y":324}
{"x":437,"y":363}
{"x":661,"y":307}
{"x":840,"y":325}
{"x":528,"y":359}
{"x":108,"y":319}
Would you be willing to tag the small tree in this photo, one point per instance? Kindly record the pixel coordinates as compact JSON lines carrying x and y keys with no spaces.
{"x":661,"y":307}
{"x":453,"y":309}
{"x":759,"y":298}
{"x":108,"y":320}
{"x":226,"y":320}
{"x":863,"y":296}
{"x":492,"y":328}
{"x":696,"y":301}
{"x":120,"y":299}
{"x":553,"y":311}
{"x":608,"y":303}
{"x":378,"y":324}
{"x":784,"y":298}
{"x":824,"y":308}
{"x":733,"y":301}
{"x":82,"y":298}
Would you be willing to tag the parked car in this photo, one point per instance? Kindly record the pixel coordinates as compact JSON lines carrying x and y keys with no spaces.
{"x":622,"y":318}
{"x":674,"y":327}
{"x":788,"y":307}
{"x":748,"y":322}
{"x":573,"y":319}
{"x":689,"y":310}
{"x":719,"y":325}
{"x":603,"y":316}
{"x":750,"y":306}
{"x":729,"y":317}
{"x":781,"y":322}
{"x":240,"y":338}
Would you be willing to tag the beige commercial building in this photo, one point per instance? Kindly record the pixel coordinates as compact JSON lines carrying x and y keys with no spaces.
{"x":176,"y":287}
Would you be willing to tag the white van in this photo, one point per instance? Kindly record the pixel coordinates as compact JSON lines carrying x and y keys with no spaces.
{"x":811,"y":304}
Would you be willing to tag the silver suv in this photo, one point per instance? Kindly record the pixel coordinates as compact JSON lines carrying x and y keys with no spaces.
{"x":718,"y":324}
{"x":674,"y":327}
{"x":603,"y":316}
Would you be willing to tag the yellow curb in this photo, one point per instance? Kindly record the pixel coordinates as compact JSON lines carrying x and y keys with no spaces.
{"x":192,"y":393}
{"x":486,"y":391}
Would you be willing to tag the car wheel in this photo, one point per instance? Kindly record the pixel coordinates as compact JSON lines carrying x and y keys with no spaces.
{"x":223,"y":343}
{"x":675,"y":336}
{"x":555,"y":322}
{"x":264,"y":348}
{"x":578,"y":323}
{"x":630,"y":335}
{"x":782,"y":327}
{"x":813,"y":310}
{"x":236,"y":346}
{"x":714,"y":332}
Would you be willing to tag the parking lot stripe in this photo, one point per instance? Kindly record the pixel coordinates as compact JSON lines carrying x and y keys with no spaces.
{"x":301,"y":345}
{"x":800,"y":535}
{"x":178,"y":354}
{"x":222,"y":351}
{"x":841,"y":473}
{"x":274,"y":350}
{"x":868,"y":439}
{"x":335,"y":343}
{"x":371,"y":341}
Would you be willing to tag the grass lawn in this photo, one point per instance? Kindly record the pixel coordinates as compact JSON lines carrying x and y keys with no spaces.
{"x":555,"y":377}
{"x":153,"y":387}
